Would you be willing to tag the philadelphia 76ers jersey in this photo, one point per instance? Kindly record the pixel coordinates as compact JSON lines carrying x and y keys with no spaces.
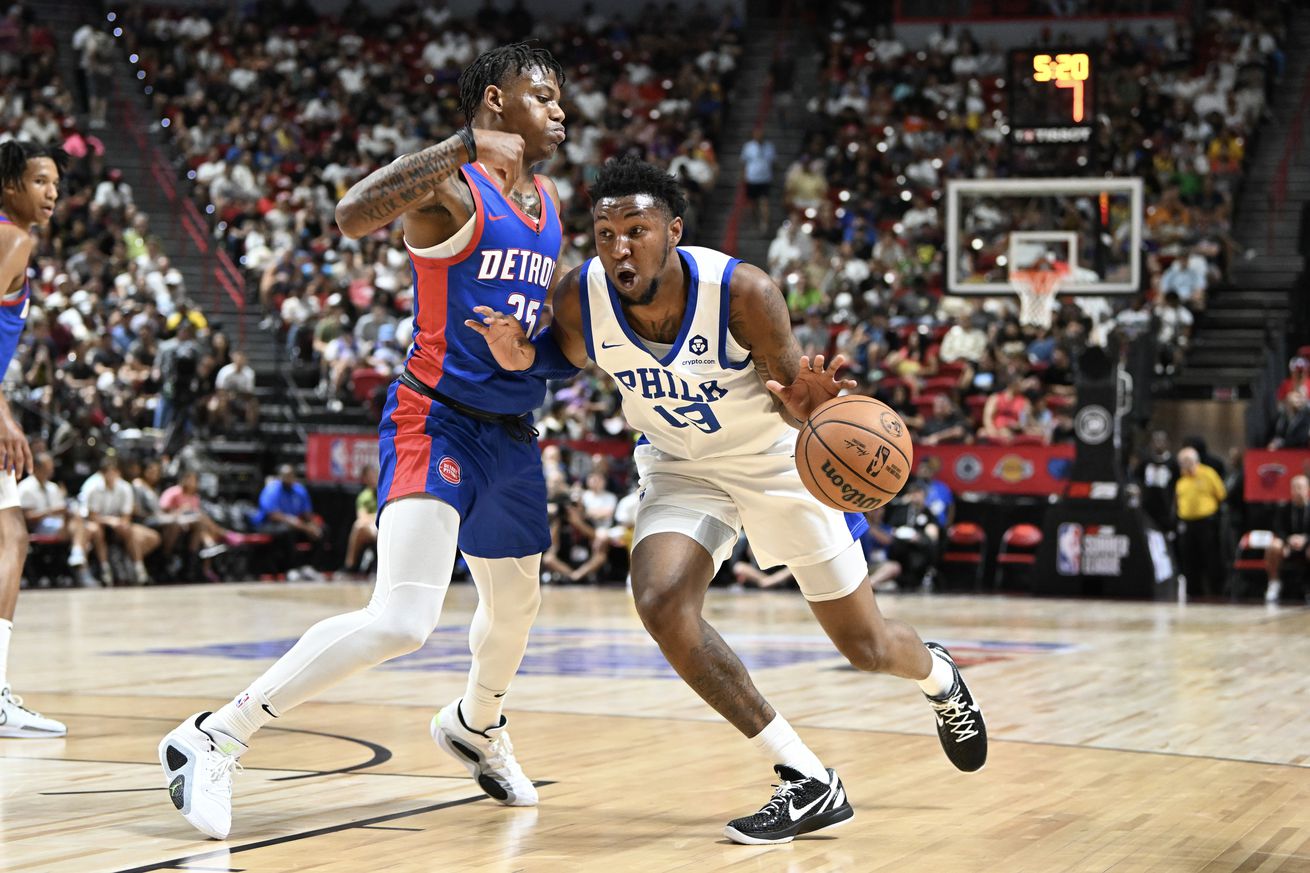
{"x":698,"y":398}
{"x":13,"y":316}
{"x":503,"y":259}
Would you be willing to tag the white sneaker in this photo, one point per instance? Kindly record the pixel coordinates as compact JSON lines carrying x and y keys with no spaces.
{"x":198,"y":767}
{"x":1273,"y":591}
{"x":488,"y":756}
{"x":17,"y":721}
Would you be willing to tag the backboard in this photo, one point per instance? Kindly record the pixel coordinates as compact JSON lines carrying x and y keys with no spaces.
{"x":998,"y":226}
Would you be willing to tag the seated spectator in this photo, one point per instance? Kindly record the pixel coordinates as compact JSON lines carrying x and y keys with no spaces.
{"x":946,"y":424}
{"x":147,"y":511}
{"x":206,"y":537}
{"x":747,"y":571}
{"x":1006,"y":413}
{"x":1184,"y":279}
{"x":1298,"y":378}
{"x":109,"y":500}
{"x":592,"y":515}
{"x":1291,"y":542}
{"x":1292,"y":427}
{"x":46,"y":508}
{"x":965,"y":341}
{"x":1174,"y":334}
{"x":285,"y":512}
{"x":616,"y":535}
{"x":235,"y":395}
{"x":364,"y":531}
{"x":910,"y":534}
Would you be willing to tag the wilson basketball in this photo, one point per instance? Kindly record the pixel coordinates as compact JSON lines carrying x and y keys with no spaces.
{"x":854,"y":453}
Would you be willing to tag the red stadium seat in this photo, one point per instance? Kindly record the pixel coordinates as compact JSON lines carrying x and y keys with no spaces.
{"x":953,"y":370}
{"x":966,"y":548}
{"x":1027,"y":439}
{"x":364,"y":381}
{"x":940,"y":384}
{"x":1019,"y":545}
{"x":975,"y":404}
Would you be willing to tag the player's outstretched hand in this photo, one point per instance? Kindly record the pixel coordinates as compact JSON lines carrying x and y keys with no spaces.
{"x":814,"y":385}
{"x":500,"y":152}
{"x":505,"y":338}
{"x":15,"y":453}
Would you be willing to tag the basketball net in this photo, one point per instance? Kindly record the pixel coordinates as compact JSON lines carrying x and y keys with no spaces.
{"x":1035,"y":288}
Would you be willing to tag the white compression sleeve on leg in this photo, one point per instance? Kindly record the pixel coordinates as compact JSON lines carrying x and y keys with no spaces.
{"x":416,"y":553}
{"x":509,"y":594}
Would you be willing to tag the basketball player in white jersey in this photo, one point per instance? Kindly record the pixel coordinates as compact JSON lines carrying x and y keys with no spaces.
{"x":696,"y":341}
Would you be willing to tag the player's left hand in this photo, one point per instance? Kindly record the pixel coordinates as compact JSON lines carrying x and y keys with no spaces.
{"x":505,"y":338}
{"x":814,"y":385}
{"x":15,"y":454}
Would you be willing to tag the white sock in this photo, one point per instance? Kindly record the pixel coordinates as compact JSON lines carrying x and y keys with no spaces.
{"x":240,"y":718}
{"x":76,"y":557}
{"x":6,"y":628}
{"x":941,"y":679}
{"x":782,"y":745}
{"x":481,"y":709}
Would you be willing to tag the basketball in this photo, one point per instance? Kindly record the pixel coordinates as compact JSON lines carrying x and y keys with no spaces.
{"x":854,"y":453}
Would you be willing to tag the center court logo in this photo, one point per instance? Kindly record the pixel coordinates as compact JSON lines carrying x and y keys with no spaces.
{"x":448,"y":467}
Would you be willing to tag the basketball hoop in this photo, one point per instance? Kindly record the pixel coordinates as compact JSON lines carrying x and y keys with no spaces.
{"x":1036,"y":288}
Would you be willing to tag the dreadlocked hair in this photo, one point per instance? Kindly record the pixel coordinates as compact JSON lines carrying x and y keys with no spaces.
{"x":15,"y":154}
{"x":629,"y":175}
{"x":494,"y":66}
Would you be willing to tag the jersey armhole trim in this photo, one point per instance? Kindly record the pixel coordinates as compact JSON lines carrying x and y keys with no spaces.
{"x":725,"y":303}
{"x":584,"y":300}
{"x":432,"y":254}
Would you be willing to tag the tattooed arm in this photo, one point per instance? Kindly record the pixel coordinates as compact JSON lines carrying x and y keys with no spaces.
{"x":759,"y":321}
{"x":425,"y":185}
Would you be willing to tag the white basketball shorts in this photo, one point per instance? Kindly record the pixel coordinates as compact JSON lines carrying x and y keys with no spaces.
{"x":713,"y":500}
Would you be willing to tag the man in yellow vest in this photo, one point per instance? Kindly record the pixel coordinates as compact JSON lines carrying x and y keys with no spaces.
{"x":1200,"y":493}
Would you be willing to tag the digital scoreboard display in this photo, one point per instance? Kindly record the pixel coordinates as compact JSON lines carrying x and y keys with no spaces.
{"x":1052,"y":96}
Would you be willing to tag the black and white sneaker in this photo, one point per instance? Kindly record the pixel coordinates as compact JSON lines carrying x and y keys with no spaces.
{"x":960,"y":724}
{"x":799,"y":805}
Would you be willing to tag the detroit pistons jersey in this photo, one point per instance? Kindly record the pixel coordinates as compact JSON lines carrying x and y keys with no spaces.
{"x":699,"y":397}
{"x":505,"y":260}
{"x":13,"y":317}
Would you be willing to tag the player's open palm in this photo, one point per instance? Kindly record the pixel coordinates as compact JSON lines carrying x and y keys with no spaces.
{"x":500,"y":152}
{"x":814,"y":385}
{"x":505,"y":338}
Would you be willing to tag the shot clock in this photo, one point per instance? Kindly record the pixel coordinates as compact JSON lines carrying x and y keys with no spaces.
{"x":1052,"y":96}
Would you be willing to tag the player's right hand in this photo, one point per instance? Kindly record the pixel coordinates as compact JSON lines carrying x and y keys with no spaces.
{"x":15,"y":453}
{"x":505,"y":338}
{"x":500,"y":152}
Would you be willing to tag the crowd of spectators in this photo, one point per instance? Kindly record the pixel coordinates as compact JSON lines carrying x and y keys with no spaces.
{"x":277,"y":111}
{"x":860,"y":254}
{"x":115,"y":363}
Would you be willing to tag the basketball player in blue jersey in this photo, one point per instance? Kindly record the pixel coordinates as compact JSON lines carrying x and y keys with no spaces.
{"x":29,"y":187}
{"x":696,"y":341}
{"x":459,"y":464}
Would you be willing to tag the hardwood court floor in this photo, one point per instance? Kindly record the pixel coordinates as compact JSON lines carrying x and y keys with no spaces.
{"x":1125,"y":737}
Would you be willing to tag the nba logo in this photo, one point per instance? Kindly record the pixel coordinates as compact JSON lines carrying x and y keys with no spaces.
{"x":339,"y":459}
{"x":1069,"y":549}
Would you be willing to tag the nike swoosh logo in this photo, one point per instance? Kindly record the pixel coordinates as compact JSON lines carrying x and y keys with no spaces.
{"x":496,"y":217}
{"x":796,"y":814}
{"x":271,"y":713}
{"x":500,"y":695}
{"x":610,"y":345}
